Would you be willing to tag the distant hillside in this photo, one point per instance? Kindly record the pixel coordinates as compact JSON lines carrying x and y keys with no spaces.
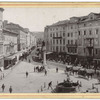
{"x":39,"y":35}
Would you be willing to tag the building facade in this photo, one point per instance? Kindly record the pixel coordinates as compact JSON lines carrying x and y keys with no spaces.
{"x":38,"y":38}
{"x":81,"y":34}
{"x":1,"y":39}
{"x":9,"y":47}
{"x":55,"y":37}
{"x":10,"y":42}
{"x":89,"y":36}
{"x":22,"y":34}
{"x":28,"y":38}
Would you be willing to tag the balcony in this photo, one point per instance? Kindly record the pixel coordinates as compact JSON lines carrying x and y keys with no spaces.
{"x":57,"y":37}
{"x":71,"y":45}
{"x":71,"y":53}
{"x":89,"y":45}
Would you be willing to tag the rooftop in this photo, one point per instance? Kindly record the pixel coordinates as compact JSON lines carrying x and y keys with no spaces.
{"x":77,"y":19}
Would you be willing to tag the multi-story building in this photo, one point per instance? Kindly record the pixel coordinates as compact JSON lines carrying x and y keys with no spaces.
{"x":1,"y":39}
{"x":39,"y":37}
{"x":28,"y":38}
{"x":9,"y":46}
{"x":81,"y":34}
{"x":55,"y":37}
{"x":32,"y":40}
{"x":22,"y":34}
{"x":89,"y":36}
{"x":10,"y":42}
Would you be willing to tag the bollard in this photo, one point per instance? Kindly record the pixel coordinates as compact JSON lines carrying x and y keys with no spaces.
{"x":38,"y":91}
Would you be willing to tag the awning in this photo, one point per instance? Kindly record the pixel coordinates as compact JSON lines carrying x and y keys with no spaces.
{"x":49,"y":52}
{"x":10,"y":57}
{"x":76,"y":68}
{"x":69,"y":66}
{"x":97,"y":59}
{"x":35,"y":56}
{"x":89,"y":70}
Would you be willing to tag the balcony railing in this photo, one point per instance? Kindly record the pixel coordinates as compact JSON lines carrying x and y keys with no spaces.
{"x":71,"y":45}
{"x":90,"y":45}
{"x":57,"y":37}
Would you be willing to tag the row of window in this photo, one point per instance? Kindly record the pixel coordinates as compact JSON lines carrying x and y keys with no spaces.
{"x":70,"y":34}
{"x":58,"y":48}
{"x":72,"y":50}
{"x":95,"y":51}
{"x":53,"y":29}
{"x":89,"y":31}
{"x":62,"y":41}
{"x":58,"y":41}
{"x":57,"y":34}
{"x":72,"y":42}
{"x":76,"y":26}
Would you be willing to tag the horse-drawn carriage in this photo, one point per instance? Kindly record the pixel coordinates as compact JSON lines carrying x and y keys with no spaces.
{"x":40,"y":68}
{"x":68,"y":67}
{"x":90,"y":72}
{"x":86,"y":72}
{"x":75,"y":69}
{"x":82,"y":72}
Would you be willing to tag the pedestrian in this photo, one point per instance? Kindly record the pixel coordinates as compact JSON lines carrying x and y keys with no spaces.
{"x":50,"y":85}
{"x":56,"y":70}
{"x":41,"y":88}
{"x":34,"y":69}
{"x":3,"y":75}
{"x":45,"y":73}
{"x":80,"y":84}
{"x":26,"y":74}
{"x":29,"y":61}
{"x":92,"y":86}
{"x":44,"y":84}
{"x":3,"y":87}
{"x":10,"y":89}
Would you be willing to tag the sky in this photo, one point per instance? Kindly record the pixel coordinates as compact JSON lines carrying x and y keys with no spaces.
{"x":37,"y":18}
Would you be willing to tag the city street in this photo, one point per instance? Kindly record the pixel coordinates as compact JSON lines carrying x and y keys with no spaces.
{"x":37,"y":82}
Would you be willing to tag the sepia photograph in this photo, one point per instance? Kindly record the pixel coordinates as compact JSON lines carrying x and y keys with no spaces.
{"x":49,"y":49}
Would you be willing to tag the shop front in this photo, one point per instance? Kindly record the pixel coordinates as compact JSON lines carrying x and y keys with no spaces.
{"x":9,"y":61}
{"x":1,"y":64}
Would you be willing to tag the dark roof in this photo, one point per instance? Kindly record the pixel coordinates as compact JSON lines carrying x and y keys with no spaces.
{"x":11,"y":31}
{"x":79,"y":19}
{"x":14,"y":27}
{"x":60,"y":23}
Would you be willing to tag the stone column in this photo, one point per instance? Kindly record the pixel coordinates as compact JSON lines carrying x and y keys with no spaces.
{"x":44,"y":58}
